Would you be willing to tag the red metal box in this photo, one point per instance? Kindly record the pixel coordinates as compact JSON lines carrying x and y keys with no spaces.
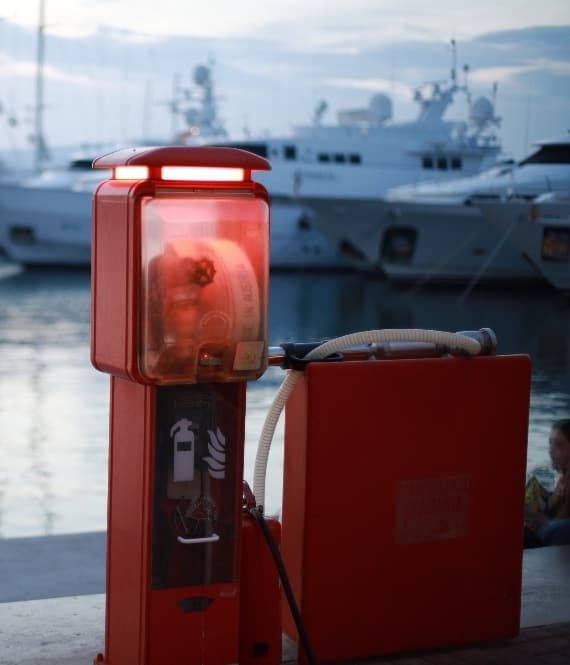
{"x":403,"y":502}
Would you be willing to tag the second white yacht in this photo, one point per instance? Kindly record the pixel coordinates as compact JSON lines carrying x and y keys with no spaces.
{"x":433,"y":232}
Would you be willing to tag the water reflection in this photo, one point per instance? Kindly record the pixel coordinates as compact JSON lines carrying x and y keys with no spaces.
{"x":40,"y":478}
{"x":531,"y":321}
{"x":54,"y":405}
{"x":526,"y":321}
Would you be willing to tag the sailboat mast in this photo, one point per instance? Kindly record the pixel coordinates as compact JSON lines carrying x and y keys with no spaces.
{"x":39,"y":144}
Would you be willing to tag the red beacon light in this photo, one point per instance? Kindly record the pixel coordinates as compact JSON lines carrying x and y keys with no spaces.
{"x":181,"y":244}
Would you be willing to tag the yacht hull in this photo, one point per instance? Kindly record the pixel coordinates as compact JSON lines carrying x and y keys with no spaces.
{"x":434,"y":231}
{"x":52,"y":227}
{"x":45,"y":226}
{"x":423,"y":241}
{"x":540,"y":231}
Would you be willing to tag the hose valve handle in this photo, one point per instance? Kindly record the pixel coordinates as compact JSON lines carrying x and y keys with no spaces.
{"x":486,"y":338}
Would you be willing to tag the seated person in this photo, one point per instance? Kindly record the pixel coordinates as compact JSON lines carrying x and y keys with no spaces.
{"x":549,"y":523}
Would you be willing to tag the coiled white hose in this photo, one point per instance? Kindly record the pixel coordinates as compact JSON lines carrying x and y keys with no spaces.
{"x":454,"y":341}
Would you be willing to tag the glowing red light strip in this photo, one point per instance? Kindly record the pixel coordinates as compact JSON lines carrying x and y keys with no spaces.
{"x":205,"y":173}
{"x":131,"y":172}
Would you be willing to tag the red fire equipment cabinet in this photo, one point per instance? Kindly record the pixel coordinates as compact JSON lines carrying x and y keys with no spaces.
{"x":179,"y":302}
{"x":403,"y":502}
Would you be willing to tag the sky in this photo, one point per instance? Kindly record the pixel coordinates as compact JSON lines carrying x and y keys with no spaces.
{"x":111,"y":65}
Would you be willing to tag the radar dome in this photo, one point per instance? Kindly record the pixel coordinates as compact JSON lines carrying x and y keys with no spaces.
{"x":380,"y":108}
{"x":481,"y":112}
{"x":201,"y":75}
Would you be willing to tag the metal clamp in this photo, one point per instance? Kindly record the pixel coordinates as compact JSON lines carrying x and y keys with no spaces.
{"x":292,"y":355}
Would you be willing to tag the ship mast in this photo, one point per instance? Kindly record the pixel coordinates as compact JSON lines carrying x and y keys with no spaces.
{"x":40,"y":150}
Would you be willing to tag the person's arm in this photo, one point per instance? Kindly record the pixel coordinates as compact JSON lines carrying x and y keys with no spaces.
{"x":564,"y":510}
{"x":559,"y":502}
{"x":536,"y":505}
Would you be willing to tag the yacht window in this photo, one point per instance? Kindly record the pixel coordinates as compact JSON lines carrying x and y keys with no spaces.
{"x":442,"y":163}
{"x":456,"y":163}
{"x":398,"y":244}
{"x":323,"y":157}
{"x":22,"y":235}
{"x":549,"y":154}
{"x":340,"y":159}
{"x":427,"y":162}
{"x":81,"y":164}
{"x":355,"y":159}
{"x":555,"y":244}
{"x":290,"y":152}
{"x":257,"y":148}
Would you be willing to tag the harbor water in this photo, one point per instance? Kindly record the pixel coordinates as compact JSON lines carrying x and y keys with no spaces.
{"x":54,"y":404}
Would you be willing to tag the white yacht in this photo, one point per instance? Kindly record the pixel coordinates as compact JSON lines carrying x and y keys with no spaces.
{"x":433,"y":232}
{"x":539,"y":229}
{"x":363,"y":154}
{"x":45,"y":218}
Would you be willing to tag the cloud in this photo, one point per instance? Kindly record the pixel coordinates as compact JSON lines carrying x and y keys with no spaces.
{"x":288,"y":59}
{"x":335,"y":24}
{"x":28,"y":69}
{"x":511,"y":74}
{"x":394,"y":88}
{"x":550,"y":42}
{"x":532,"y":62}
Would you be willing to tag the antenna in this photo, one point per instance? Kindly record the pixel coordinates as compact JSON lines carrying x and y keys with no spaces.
{"x":466,"y":84}
{"x":173,"y":103}
{"x":453,"y":61}
{"x":319,"y":111}
{"x":147,"y":105}
{"x":41,"y":153}
{"x":494,"y":93}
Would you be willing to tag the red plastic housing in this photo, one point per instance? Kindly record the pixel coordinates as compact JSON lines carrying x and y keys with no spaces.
{"x":169,"y":603}
{"x":180,"y":269}
{"x":260,"y":597}
{"x":403,"y":502}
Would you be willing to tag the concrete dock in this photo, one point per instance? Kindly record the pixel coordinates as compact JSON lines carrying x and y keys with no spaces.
{"x":52,"y":606}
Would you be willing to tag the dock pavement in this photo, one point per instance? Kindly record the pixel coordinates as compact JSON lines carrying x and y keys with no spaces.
{"x":52,"y":606}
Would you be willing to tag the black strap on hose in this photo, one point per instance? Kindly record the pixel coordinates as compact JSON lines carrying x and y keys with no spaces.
{"x":257,"y":514}
{"x":295,"y":353}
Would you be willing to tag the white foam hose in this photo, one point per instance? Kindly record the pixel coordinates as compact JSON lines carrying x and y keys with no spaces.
{"x":454,"y":341}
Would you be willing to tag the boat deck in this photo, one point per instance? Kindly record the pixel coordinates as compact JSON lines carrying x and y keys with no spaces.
{"x":53,"y":613}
